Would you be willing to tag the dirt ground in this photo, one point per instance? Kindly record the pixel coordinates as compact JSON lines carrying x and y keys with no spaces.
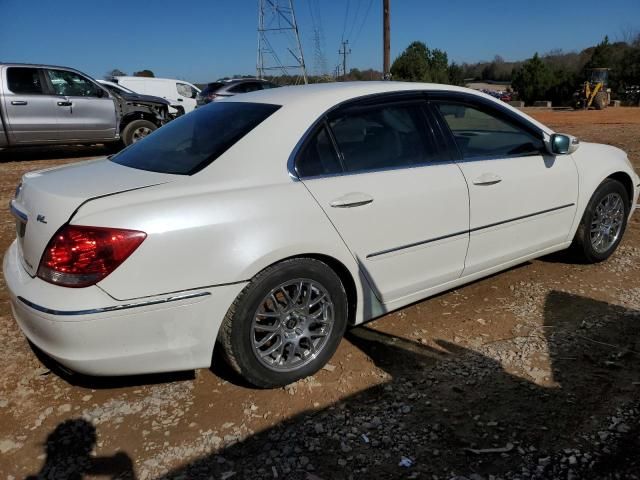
{"x":532,"y":373}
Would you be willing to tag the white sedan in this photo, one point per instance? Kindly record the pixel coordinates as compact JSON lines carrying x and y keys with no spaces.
{"x":270,"y":222}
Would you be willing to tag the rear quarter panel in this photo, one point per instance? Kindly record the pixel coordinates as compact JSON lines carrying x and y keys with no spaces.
{"x":198,"y":237}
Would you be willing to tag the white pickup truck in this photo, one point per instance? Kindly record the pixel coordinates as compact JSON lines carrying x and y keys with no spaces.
{"x":43,"y":104}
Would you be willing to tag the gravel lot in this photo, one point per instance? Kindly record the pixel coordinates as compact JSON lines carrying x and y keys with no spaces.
{"x":532,"y":373}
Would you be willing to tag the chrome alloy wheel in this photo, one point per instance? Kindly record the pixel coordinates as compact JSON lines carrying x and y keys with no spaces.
{"x":292,"y":324}
{"x":607,"y":222}
{"x":139,"y":133}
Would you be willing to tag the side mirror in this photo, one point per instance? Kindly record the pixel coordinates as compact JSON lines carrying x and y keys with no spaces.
{"x":563,"y":144}
{"x":101,"y":93}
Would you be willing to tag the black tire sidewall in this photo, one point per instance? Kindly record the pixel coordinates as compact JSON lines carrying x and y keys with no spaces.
{"x":605,"y":188}
{"x":241,"y":335}
{"x":127,"y":133}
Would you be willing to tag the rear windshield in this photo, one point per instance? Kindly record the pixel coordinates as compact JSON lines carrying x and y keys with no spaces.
{"x":191,"y":142}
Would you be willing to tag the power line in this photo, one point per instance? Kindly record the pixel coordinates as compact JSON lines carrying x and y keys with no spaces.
{"x":364,"y":20}
{"x":355,"y":19}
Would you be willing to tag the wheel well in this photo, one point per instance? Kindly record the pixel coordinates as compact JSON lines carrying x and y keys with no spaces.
{"x":345,"y":277}
{"x":126,"y":120}
{"x":626,"y":181}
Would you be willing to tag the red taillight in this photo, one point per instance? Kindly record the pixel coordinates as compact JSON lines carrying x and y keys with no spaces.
{"x":79,"y":256}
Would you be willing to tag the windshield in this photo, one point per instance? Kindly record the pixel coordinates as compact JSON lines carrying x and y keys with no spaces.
{"x":189,"y":143}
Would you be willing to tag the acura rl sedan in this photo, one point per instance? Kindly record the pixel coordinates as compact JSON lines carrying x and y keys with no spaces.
{"x":267,"y":223}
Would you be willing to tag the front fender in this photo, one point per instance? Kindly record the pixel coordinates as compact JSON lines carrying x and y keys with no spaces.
{"x":596,"y":162}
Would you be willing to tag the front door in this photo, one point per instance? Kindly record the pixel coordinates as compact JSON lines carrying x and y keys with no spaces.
{"x":86,"y":112}
{"x":32,"y":113}
{"x":523,"y":199}
{"x":402,"y":212}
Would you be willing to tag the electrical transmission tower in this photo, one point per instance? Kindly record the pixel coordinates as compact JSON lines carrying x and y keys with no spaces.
{"x":278,"y":33}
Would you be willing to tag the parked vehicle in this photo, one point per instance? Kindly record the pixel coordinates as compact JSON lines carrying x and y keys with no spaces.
{"x":269,"y":222}
{"x":41,"y":105}
{"x":130,"y":95}
{"x":228,"y":88}
{"x":181,"y":94}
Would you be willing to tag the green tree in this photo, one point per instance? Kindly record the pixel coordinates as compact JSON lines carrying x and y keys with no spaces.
{"x":116,"y":72}
{"x":532,"y":80}
{"x":412,"y":65}
{"x":420,"y":64}
{"x":456,"y":74}
{"x":144,"y":73}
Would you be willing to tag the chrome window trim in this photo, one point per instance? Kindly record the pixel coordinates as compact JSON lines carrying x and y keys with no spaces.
{"x":114,"y":308}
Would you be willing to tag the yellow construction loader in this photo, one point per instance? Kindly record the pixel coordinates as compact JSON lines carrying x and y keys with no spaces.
{"x":594,"y":92}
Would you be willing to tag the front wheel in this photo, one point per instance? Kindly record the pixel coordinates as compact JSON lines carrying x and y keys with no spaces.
{"x":286,"y":324}
{"x":136,"y":131}
{"x":603,"y":223}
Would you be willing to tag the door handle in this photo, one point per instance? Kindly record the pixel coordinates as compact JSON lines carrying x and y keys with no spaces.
{"x":180,"y":100}
{"x":18,"y":102}
{"x":354,"y":199}
{"x":487,"y":179}
{"x":64,"y":104}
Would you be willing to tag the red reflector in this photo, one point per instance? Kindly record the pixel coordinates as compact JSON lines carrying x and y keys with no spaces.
{"x":79,"y":256}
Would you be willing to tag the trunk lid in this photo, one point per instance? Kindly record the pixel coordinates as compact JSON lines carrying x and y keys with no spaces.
{"x":47,"y":199}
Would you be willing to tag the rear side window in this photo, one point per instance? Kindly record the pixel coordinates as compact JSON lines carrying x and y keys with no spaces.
{"x":386,"y":136}
{"x":25,"y":81}
{"x":190,"y":143}
{"x":482,"y":134}
{"x":318,"y":157}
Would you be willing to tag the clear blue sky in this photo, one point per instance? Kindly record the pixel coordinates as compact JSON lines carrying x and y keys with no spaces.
{"x":201,"y":40}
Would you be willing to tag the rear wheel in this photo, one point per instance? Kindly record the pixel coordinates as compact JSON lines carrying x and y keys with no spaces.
{"x":603,"y":223}
{"x":286,"y":324}
{"x":136,"y":131}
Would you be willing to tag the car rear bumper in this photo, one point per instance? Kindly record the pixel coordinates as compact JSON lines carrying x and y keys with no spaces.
{"x":89,"y":332}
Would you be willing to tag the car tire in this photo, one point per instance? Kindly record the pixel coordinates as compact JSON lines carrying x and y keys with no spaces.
{"x":599,"y":221}
{"x":600,"y":102}
{"x":302,"y":289}
{"x":137,"y":130}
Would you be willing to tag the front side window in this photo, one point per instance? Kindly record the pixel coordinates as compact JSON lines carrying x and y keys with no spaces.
{"x":382,"y":137}
{"x":481,"y":134}
{"x":185,"y":90}
{"x":70,"y":84}
{"x":189,"y":143}
{"x":23,"y":80}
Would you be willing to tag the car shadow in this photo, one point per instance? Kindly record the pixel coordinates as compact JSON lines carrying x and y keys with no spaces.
{"x":445,"y":409}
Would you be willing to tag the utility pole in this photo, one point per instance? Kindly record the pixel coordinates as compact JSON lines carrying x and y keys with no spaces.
{"x":386,"y":42}
{"x":277,"y":29}
{"x":344,"y":52}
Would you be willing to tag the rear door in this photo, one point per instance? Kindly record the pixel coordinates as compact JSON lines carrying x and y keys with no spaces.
{"x":31,"y":110}
{"x":523,"y":199}
{"x":85,"y":110}
{"x":400,"y":205}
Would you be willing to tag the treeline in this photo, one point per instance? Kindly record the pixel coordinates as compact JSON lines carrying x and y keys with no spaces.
{"x":554,"y":76}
